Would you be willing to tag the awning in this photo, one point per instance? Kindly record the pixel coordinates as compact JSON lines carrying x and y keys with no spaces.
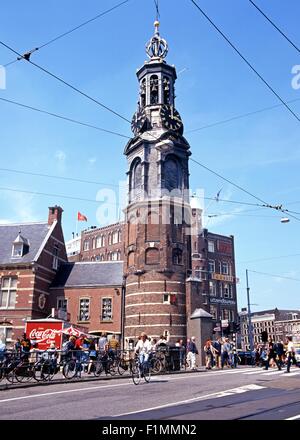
{"x":95,"y":332}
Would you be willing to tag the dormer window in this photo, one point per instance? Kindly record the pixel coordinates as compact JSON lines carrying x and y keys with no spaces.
{"x":20,"y":246}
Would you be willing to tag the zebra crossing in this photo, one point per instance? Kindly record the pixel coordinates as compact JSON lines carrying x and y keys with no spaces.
{"x":249,"y":371}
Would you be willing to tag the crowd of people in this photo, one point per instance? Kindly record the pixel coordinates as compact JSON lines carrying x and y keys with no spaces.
{"x":219,"y":353}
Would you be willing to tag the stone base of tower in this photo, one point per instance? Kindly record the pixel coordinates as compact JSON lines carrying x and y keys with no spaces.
{"x":155,"y":304}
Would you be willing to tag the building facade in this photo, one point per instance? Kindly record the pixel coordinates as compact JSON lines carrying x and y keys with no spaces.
{"x":30,"y":255}
{"x":276,"y":323}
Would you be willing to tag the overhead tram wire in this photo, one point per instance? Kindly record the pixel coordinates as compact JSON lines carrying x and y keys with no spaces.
{"x":274,"y":25}
{"x":246,"y":61}
{"x":68,"y":84}
{"x":274,"y":276}
{"x":125,"y":119}
{"x":67,"y":32}
{"x":65,"y":118}
{"x":244,"y":115}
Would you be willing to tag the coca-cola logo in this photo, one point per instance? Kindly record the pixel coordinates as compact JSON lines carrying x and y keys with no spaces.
{"x":49,"y":333}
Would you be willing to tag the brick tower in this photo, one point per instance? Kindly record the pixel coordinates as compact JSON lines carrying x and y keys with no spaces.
{"x":157,"y":241}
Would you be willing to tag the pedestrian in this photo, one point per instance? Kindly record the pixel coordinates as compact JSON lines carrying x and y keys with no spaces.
{"x":102,"y":342}
{"x":191,"y":353}
{"x":2,"y":349}
{"x":92,"y":354}
{"x":279,"y":350}
{"x":218,"y":350}
{"x":113,"y":346}
{"x":209,"y":354}
{"x":271,"y":355}
{"x":290,"y":354}
{"x":26,"y":346}
{"x":18,"y":346}
{"x":226,"y":351}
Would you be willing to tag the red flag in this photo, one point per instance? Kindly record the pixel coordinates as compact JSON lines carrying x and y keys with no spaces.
{"x":81,"y":217}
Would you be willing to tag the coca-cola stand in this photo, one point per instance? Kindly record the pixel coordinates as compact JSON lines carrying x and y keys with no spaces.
{"x":48,"y":330}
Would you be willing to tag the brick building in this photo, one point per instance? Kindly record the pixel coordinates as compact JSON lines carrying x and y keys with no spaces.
{"x":30,"y":255}
{"x":91,"y":294}
{"x":98,"y":244}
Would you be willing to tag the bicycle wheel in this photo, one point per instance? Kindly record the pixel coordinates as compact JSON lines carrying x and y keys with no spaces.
{"x":69,"y":370}
{"x":24,"y":373}
{"x":37,"y":369}
{"x":122,"y":367}
{"x":146,"y":372}
{"x":112,"y":368}
{"x":156,"y":365}
{"x":98,"y":368}
{"x":48,"y":371}
{"x":136,"y":374}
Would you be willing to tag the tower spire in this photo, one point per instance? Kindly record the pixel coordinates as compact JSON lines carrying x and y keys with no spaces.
{"x":157,"y":48}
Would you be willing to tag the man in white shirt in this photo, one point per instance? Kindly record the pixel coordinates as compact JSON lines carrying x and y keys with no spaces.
{"x":143,"y":348}
{"x":290,"y":353}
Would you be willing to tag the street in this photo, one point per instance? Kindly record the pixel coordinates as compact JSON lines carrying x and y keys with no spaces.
{"x":244,"y":393}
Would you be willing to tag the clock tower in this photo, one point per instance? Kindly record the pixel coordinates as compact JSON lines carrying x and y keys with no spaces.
{"x":157,"y":234}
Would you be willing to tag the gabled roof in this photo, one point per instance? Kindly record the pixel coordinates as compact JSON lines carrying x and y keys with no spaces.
{"x":21,"y":240}
{"x":89,"y":274}
{"x":35,"y":234}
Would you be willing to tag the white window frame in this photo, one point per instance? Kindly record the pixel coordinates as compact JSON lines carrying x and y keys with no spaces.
{"x":20,"y":248}
{"x":62,"y":298}
{"x":226,"y":265}
{"x":8,"y":289}
{"x":55,"y":260}
{"x":211,"y":246}
{"x":212,"y":288}
{"x":3,"y":331}
{"x":86,"y":245}
{"x":107,"y":298}
{"x":214,"y":266}
{"x":166,"y":298}
{"x":87,"y":318}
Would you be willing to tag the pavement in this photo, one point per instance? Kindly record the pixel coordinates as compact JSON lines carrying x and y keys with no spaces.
{"x":230,"y":394}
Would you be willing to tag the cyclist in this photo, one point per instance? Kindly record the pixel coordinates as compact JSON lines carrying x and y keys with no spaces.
{"x":143,"y":348}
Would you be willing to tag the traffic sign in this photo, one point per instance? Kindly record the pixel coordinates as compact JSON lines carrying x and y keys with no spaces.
{"x":224,"y":323}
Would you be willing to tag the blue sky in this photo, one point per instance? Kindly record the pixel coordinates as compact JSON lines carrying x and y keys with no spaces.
{"x":259,"y":152}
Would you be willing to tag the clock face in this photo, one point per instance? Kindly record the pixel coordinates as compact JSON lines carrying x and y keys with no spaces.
{"x":171,"y":118}
{"x":138,"y":121}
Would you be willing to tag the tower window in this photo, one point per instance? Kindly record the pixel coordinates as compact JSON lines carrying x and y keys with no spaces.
{"x":143,"y":92}
{"x":153,"y":89}
{"x":177,"y":256}
{"x":166,"y":88}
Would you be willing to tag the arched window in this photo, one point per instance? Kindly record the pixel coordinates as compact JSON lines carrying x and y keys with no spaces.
{"x":86,"y":245}
{"x":119,"y":236}
{"x":109,"y":238}
{"x":177,"y":256}
{"x":153,"y":89}
{"x":102,"y":240}
{"x":143,"y":92}
{"x":166,"y":88}
{"x":119,"y":255}
{"x":98,"y":241}
{"x":115,"y":237}
{"x":94,"y":243}
{"x":172,"y":174}
{"x":152,"y":227}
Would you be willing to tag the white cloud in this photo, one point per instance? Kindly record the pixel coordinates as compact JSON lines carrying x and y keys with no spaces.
{"x":92,"y":160}
{"x":60,"y":156}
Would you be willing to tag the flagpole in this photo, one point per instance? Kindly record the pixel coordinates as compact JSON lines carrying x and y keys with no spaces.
{"x":76,"y":228}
